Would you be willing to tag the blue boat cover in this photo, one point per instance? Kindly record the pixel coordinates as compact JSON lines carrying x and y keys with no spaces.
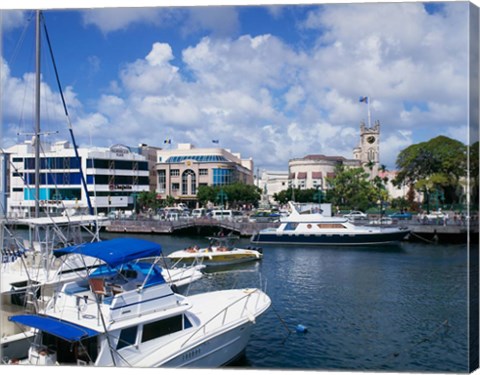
{"x":60,"y":328}
{"x":114,"y":252}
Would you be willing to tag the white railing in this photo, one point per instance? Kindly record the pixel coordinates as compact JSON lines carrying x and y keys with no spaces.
{"x":223,"y":313}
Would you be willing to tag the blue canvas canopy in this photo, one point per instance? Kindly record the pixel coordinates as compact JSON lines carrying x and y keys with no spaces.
{"x":114,"y":252}
{"x":60,"y":328}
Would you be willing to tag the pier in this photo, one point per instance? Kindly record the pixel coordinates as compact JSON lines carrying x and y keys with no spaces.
{"x":430,"y":233}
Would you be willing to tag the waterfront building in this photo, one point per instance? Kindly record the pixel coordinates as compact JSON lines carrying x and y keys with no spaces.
{"x":312,"y":171}
{"x":150,"y":153}
{"x":114,"y":176}
{"x":183,"y":169}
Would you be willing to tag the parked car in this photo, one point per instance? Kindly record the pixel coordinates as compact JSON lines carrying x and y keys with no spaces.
{"x":401,"y":215}
{"x":433,"y":215}
{"x":355,"y":215}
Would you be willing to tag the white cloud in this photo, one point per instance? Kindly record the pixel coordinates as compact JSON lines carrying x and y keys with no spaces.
{"x":114,"y":19}
{"x":273,"y":101}
{"x":11,"y":19}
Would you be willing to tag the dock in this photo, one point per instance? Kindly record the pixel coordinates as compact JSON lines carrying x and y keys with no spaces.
{"x":430,"y":233}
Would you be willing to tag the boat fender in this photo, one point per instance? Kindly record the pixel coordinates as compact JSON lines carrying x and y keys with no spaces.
{"x":301,"y":329}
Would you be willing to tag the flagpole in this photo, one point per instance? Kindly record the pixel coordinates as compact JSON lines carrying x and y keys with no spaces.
{"x":368,"y":109}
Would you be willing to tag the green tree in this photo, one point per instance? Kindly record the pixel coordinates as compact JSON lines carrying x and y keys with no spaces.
{"x":351,"y":189}
{"x":436,"y":165}
{"x":147,"y":200}
{"x":235,"y":194}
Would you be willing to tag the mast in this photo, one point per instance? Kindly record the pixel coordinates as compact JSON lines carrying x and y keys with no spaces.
{"x":37,"y":114}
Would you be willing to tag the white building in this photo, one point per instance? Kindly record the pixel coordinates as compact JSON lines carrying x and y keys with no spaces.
{"x":272,"y":182}
{"x":113,"y":176}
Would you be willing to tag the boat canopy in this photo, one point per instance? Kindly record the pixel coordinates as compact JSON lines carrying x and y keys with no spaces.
{"x":60,"y":328}
{"x":114,"y":252}
{"x":140,"y":269}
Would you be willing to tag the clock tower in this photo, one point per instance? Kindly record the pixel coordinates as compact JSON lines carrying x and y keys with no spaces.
{"x":369,"y":148}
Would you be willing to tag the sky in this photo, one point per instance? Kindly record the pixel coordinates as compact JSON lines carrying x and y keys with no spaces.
{"x":271,"y":82}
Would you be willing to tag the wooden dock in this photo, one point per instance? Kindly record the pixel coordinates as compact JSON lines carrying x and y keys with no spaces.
{"x":452,"y":233}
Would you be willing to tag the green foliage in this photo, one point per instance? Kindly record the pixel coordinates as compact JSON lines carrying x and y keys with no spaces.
{"x":299,"y":195}
{"x":147,"y":200}
{"x":234,"y":194}
{"x":432,"y":166}
{"x":351,"y":189}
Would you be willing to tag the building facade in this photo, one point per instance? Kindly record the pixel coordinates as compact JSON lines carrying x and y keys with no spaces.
{"x":113,"y":177}
{"x":312,"y":171}
{"x":182,"y":170}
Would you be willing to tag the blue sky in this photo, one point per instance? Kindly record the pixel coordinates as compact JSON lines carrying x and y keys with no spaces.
{"x":270,"y":82}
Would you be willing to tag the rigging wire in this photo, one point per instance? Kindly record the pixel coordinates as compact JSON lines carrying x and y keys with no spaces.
{"x":70,"y":128}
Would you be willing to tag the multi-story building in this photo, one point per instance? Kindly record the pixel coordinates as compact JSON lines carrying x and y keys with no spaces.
{"x":312,"y":171}
{"x":182,"y":170}
{"x":113,"y":177}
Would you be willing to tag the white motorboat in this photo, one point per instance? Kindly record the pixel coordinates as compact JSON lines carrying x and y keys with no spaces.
{"x":125,"y":314}
{"x":220,"y":252}
{"x":310,"y":227}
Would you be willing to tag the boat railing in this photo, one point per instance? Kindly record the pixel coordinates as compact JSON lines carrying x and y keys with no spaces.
{"x":221,"y":316}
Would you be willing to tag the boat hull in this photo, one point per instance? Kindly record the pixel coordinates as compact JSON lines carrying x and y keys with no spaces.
{"x":216,"y":352}
{"x":218,"y":260}
{"x":356,"y":239}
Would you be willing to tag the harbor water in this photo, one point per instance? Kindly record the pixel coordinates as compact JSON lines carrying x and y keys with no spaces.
{"x":390,"y":308}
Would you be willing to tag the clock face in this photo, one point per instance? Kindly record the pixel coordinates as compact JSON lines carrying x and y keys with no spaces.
{"x":370,"y":139}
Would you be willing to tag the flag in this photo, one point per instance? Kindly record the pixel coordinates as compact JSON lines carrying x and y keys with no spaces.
{"x":363,"y":99}
{"x":168,"y":141}
{"x":215,"y":141}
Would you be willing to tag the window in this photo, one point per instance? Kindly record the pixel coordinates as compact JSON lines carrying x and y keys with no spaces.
{"x":222,"y":176}
{"x":162,"y":180}
{"x":203,"y":172}
{"x":198,"y":158}
{"x":291,"y":226}
{"x":186,"y":176}
{"x":175,"y":172}
{"x":175,"y":186}
{"x":161,"y":328}
{"x":127,"y":337}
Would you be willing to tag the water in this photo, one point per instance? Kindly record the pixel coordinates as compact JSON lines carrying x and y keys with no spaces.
{"x":395,"y":308}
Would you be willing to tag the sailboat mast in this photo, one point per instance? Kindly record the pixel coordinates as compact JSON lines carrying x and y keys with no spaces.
{"x":37,"y":114}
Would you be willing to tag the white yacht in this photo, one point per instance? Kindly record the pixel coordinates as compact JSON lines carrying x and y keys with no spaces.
{"x":310,"y":227}
{"x":125,"y":314}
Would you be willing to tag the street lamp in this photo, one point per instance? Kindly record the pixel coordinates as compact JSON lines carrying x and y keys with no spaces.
{"x":222,"y":196}
{"x":318,"y":195}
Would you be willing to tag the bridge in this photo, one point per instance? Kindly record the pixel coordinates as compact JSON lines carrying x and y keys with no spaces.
{"x":243,"y":228}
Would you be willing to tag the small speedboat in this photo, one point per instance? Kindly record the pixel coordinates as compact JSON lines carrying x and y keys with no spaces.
{"x":125,"y":314}
{"x":221,"y":251}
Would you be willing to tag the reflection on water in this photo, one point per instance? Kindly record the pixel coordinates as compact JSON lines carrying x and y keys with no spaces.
{"x":391,"y":308}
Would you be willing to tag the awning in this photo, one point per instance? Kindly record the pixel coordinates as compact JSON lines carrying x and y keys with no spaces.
{"x":60,"y":328}
{"x":316,"y":175}
{"x":115,"y":252}
{"x":302,"y":175}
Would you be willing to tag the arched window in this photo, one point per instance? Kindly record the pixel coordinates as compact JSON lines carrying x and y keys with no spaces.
{"x":189,"y":179}
{"x":371,"y":154}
